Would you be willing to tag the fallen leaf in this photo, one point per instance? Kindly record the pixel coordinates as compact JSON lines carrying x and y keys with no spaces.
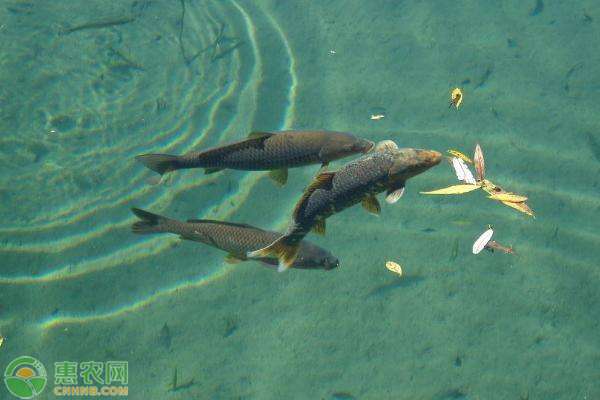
{"x":524,"y":208}
{"x":456,"y":97}
{"x":394,"y":267}
{"x":454,"y":189}
{"x":482,"y":240}
{"x":463,"y":173}
{"x":510,"y":197}
{"x":479,"y":163}
{"x":460,"y":155}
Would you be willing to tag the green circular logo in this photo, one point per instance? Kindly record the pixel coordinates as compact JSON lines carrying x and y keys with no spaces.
{"x":25,"y":377}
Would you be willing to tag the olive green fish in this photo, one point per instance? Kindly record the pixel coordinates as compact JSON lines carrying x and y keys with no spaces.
{"x":386,"y":168}
{"x":271,"y":151}
{"x":235,"y":239}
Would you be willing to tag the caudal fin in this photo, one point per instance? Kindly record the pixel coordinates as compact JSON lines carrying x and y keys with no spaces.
{"x":148,"y":223}
{"x":282,"y":249}
{"x":160,"y":163}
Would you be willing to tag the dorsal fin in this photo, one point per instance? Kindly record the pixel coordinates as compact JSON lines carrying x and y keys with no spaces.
{"x":259,"y":135}
{"x":321,"y":181}
{"x":212,"y":221}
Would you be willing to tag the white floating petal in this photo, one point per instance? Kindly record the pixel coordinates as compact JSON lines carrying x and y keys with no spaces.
{"x":482,"y":241}
{"x":463,"y":173}
{"x":458,"y":168}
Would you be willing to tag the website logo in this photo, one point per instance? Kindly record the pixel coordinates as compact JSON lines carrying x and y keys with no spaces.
{"x":25,"y":377}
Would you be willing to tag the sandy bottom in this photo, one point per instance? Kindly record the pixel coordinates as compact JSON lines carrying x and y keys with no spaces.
{"x":90,"y":84}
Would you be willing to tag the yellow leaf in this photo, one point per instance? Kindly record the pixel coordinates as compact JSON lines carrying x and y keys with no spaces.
{"x":491,"y":188}
{"x":512,"y":198}
{"x":454,"y":189}
{"x":394,"y":267}
{"x":460,"y":155}
{"x":524,"y":208}
{"x":456,"y":98}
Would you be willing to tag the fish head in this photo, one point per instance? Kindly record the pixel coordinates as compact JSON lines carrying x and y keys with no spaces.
{"x":411,"y":162}
{"x":314,"y":257}
{"x":340,"y":144}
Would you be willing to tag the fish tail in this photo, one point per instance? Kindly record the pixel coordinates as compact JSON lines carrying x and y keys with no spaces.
{"x":160,"y":163}
{"x":285,"y":249}
{"x":148,"y":223}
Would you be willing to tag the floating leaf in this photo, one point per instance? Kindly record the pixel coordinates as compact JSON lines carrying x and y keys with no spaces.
{"x":512,"y":198}
{"x":482,"y":241}
{"x":394,"y":267}
{"x":479,"y":163}
{"x":454,"y":189}
{"x":463,"y":173}
{"x":524,"y":208}
{"x":456,"y":98}
{"x":491,"y":188}
{"x":460,"y":155}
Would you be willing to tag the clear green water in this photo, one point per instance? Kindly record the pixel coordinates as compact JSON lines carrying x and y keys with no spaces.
{"x":75,"y":284}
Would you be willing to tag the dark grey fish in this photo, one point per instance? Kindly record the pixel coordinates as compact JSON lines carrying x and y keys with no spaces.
{"x":265,"y":151}
{"x":235,"y":239}
{"x":386,"y":168}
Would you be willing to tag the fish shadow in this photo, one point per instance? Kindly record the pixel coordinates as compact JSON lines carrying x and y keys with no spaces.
{"x":404,"y":282}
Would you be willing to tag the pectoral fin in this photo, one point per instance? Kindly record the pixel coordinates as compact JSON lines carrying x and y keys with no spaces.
{"x":319,"y":227}
{"x":393,"y":195}
{"x":212,"y":170}
{"x":371,"y":204}
{"x":279,"y":175}
{"x":285,"y":252}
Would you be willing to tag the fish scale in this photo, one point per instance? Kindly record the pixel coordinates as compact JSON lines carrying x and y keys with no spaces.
{"x":350,"y":185}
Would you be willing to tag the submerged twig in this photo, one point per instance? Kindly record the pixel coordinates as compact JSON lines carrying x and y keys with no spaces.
{"x":127,"y":61}
{"x":176,"y":386}
{"x":188,"y":60}
{"x":99,"y":24}
{"x":220,"y":38}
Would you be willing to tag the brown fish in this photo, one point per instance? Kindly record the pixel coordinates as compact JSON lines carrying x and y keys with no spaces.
{"x":273,"y":151}
{"x":235,"y":239}
{"x":386,"y":168}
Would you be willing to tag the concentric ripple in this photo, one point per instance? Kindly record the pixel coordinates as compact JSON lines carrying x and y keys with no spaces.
{"x":160,"y":83}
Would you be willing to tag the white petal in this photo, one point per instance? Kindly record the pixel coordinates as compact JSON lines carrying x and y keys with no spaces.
{"x":458,"y":168}
{"x":482,"y":241}
{"x":469,"y":177}
{"x":466,"y":172}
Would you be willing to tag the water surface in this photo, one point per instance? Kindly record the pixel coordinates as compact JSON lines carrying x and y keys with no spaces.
{"x":87,"y":85}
